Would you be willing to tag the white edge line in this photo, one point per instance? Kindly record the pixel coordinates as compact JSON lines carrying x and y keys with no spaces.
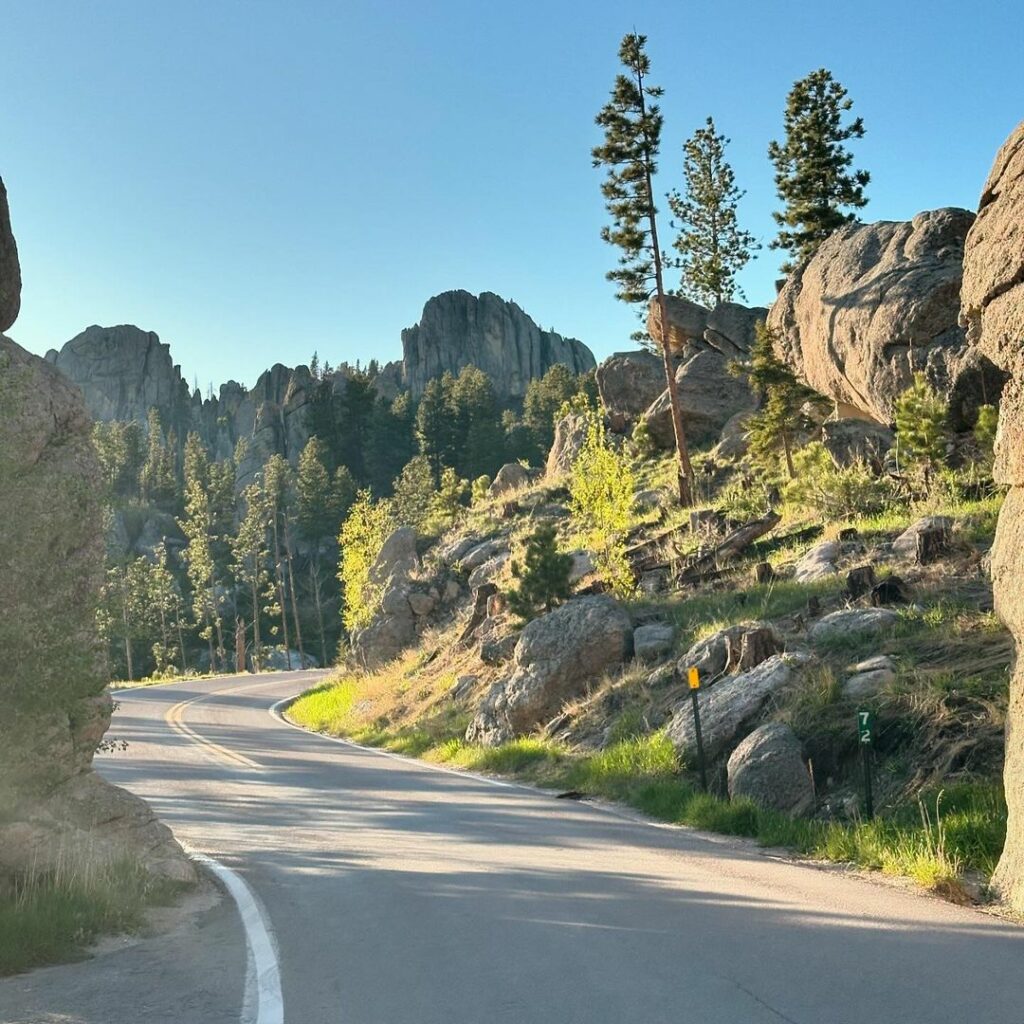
{"x":260,"y":942}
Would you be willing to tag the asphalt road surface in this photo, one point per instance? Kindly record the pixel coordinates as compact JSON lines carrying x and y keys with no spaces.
{"x":375,"y":890}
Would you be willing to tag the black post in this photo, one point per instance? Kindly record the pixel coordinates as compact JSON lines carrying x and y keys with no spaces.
{"x":869,"y":799}
{"x":700,"y":741}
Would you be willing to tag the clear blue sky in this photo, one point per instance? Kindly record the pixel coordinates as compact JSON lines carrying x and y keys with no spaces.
{"x":255,"y":180}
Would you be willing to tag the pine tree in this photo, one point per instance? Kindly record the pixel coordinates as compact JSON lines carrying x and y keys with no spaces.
{"x":812,"y":167}
{"x":198,"y":527}
{"x":414,"y":491}
{"x":543,"y":576}
{"x":479,"y":439}
{"x":362,"y":535}
{"x":922,"y":430}
{"x":711,"y":245}
{"x":632,"y":127}
{"x":770,"y":429}
{"x":435,"y":427}
{"x":542,"y":403}
{"x":158,"y":476}
{"x":277,"y":486}
{"x":446,"y":503}
{"x":249,"y":546}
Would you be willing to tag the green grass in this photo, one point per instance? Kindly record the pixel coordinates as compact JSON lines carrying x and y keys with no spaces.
{"x":53,"y":918}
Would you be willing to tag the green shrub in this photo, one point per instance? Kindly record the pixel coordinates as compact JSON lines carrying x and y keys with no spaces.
{"x":362,"y":535}
{"x":822,"y":487}
{"x":922,"y":431}
{"x":602,"y":490}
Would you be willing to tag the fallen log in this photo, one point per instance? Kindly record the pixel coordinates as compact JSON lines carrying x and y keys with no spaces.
{"x":708,"y":565}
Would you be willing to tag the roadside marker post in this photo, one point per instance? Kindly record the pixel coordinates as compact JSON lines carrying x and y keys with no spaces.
{"x":694,"y":680}
{"x":866,"y":736}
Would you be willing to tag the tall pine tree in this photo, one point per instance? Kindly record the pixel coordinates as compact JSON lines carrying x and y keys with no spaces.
{"x":632,"y":137}
{"x":711,"y":245}
{"x":812,"y":167}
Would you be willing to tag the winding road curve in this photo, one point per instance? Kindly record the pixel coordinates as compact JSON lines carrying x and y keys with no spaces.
{"x":394,"y":893}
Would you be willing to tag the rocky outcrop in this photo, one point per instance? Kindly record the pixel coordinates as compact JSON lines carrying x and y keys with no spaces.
{"x":628,"y":382}
{"x":510,"y":477}
{"x":557,"y":656}
{"x":876,"y":303}
{"x":10,"y":269}
{"x":993,"y":312}
{"x":706,"y":342}
{"x":52,"y":677}
{"x":570,"y":436}
{"x":457,"y":329}
{"x":394,"y":623}
{"x":768,"y":768}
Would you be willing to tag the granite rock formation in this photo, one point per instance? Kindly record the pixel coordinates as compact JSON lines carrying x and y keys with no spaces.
{"x":876,"y":303}
{"x":458,"y":329}
{"x":993,"y":314}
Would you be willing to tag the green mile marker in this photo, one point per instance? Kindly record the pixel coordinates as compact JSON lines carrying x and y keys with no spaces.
{"x":694,"y":678}
{"x":866,"y":737}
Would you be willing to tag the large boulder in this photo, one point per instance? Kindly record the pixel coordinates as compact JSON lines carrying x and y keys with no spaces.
{"x":856,"y":440}
{"x":730,"y":707}
{"x":10,"y":269}
{"x":818,"y":562}
{"x":768,"y":768}
{"x":53,"y":675}
{"x":511,"y":477}
{"x":557,"y":656}
{"x":709,"y":397}
{"x":850,"y":625}
{"x":993,"y":310}
{"x":628,"y":382}
{"x":705,"y":341}
{"x":724,"y":650}
{"x":457,"y":329}
{"x":876,"y":303}
{"x":570,"y":436}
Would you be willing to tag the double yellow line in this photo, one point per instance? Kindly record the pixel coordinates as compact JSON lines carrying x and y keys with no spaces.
{"x":175,"y":719}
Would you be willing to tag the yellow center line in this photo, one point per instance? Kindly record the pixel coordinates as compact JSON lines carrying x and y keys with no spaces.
{"x":175,"y":719}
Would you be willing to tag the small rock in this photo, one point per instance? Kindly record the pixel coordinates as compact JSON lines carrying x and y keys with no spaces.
{"x":867,"y":684}
{"x":510,"y":477}
{"x":421,"y":604}
{"x":905,"y":545}
{"x":486,"y":572}
{"x":497,"y":652}
{"x":851,"y":623}
{"x":768,"y":768}
{"x":452,"y":591}
{"x":818,"y":563}
{"x":652,"y":641}
{"x":509,"y":510}
{"x":496,"y":605}
{"x":463,"y":687}
{"x":891,"y":590}
{"x":480,"y":553}
{"x":582,"y":565}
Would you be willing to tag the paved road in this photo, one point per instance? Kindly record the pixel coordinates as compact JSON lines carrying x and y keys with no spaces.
{"x":398,"y":894}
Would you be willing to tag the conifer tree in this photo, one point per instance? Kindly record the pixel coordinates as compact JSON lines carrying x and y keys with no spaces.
{"x":198,"y":528}
{"x":711,"y":245}
{"x":922,"y":430}
{"x":812,"y":167}
{"x":249,"y":547}
{"x":543,"y":575}
{"x":770,"y":429}
{"x":632,"y":135}
{"x":435,"y":426}
{"x":414,"y":492}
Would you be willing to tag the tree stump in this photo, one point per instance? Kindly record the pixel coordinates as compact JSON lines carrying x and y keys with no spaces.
{"x":932,"y":544}
{"x":848,"y":533}
{"x":860,"y":581}
{"x":480,"y":598}
{"x":750,"y":649}
{"x":764,"y":573}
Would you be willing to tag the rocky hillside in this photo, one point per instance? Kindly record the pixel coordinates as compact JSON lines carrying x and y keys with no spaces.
{"x":859,"y":582}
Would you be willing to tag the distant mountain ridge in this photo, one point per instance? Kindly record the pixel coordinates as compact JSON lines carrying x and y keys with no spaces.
{"x":124,"y":371}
